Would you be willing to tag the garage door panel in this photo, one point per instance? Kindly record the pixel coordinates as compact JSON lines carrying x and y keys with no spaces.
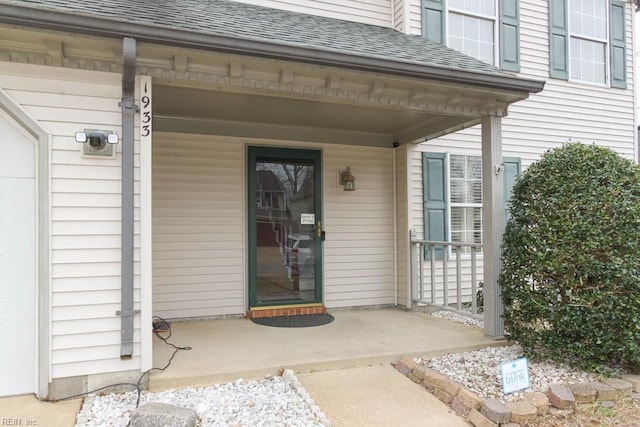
{"x":16,"y":152}
{"x":17,"y":260}
{"x":17,"y":296}
{"x":17,"y":210}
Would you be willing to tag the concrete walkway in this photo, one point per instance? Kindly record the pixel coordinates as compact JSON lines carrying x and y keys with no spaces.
{"x":376,"y":396}
{"x":369,"y":396}
{"x":29,"y":411}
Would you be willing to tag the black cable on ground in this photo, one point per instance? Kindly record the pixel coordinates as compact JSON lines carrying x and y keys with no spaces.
{"x":176,"y":349}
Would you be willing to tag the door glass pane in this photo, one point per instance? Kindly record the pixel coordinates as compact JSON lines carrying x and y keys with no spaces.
{"x":285,"y":227}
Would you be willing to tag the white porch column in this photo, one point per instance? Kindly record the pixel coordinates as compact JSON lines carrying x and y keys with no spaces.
{"x":492,"y":223}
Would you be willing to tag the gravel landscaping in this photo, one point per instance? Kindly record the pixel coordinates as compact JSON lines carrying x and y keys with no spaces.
{"x":270,"y":401}
{"x":559,"y":396}
{"x":455,"y":317}
{"x":479,"y":371}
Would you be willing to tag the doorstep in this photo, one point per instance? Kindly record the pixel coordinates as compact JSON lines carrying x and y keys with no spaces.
{"x":285,"y":310}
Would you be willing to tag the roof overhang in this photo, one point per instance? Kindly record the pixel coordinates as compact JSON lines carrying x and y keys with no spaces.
{"x":224,"y":85}
{"x":100,"y":26}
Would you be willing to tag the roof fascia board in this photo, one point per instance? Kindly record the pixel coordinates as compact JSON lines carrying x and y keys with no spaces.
{"x":55,"y":20}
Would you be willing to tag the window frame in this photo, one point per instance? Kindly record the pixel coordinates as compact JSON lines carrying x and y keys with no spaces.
{"x":436,"y":197}
{"x":506,"y":29}
{"x":495,"y":19}
{"x":607,"y":46}
{"x":617,"y":48}
{"x":451,"y":204}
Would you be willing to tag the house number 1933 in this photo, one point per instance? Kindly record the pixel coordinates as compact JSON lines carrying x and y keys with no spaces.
{"x":145,"y":113}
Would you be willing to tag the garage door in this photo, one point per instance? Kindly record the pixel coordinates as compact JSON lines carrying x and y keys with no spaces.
{"x":17,"y":259}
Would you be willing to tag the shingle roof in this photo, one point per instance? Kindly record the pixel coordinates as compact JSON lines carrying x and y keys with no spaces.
{"x":261,"y":24}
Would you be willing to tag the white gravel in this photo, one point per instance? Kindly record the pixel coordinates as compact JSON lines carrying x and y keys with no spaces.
{"x":459,"y":318}
{"x":271,"y":401}
{"x":479,"y":371}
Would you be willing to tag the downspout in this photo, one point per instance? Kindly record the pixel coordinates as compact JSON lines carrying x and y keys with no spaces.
{"x":128,"y":116}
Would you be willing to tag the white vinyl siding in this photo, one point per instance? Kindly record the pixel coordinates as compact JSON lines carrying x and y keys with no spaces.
{"x":375,"y":12}
{"x":199,"y":225}
{"x":358,"y":251}
{"x":198,"y":230}
{"x":84,"y":214}
{"x":415,"y":17}
{"x":562,"y":112}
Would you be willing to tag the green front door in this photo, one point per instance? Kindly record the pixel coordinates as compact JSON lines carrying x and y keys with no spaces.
{"x":285,"y":227}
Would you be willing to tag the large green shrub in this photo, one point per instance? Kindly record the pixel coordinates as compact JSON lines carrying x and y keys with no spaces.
{"x":571,"y":259}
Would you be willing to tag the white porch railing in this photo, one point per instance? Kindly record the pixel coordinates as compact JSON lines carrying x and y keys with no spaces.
{"x":445,"y":276}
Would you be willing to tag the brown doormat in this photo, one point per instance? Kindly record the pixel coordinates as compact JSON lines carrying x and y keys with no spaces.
{"x":298,"y":321}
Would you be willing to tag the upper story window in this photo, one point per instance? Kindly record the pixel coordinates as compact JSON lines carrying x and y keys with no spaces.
{"x":587,"y":41}
{"x":487,"y":30}
{"x":588,"y":29}
{"x":472,"y":27}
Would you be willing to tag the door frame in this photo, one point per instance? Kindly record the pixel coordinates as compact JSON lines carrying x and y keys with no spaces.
{"x":253,"y":152}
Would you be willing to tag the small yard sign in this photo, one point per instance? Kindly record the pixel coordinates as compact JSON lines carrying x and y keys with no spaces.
{"x":515,"y":375}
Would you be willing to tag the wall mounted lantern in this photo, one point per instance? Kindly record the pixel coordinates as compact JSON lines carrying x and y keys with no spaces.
{"x":348,"y":180}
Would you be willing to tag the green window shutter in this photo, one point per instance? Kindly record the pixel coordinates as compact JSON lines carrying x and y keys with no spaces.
{"x":512,"y":169}
{"x":558,"y":39}
{"x":617,"y":44}
{"x":509,"y":35}
{"x":435,"y":199}
{"x":433,"y":20}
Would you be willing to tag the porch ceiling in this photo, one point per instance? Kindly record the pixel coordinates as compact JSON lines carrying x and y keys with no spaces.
{"x":204,"y":111}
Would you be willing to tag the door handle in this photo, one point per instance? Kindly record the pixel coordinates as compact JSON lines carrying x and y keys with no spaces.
{"x":319,"y":229}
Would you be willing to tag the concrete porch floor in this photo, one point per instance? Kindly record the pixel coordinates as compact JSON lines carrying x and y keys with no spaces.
{"x":225,"y":350}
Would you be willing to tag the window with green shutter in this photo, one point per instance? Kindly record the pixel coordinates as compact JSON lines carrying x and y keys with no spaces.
{"x":587,"y":41}
{"x":452,"y":194}
{"x":487,"y":30}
